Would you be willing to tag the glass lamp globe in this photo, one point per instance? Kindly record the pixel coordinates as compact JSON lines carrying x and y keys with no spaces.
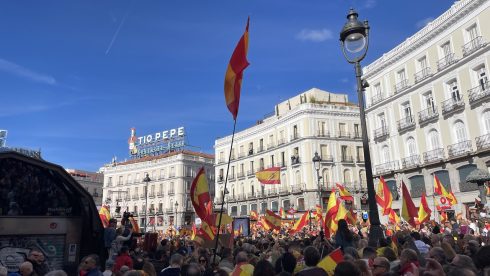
{"x":355,"y":42}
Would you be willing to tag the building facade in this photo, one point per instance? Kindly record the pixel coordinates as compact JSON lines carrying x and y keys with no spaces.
{"x":91,"y":181}
{"x":428,"y":109}
{"x":167,"y":191}
{"x":314,"y":121}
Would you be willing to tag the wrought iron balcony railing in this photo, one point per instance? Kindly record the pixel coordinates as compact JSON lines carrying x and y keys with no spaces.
{"x":344,"y":134}
{"x":422,"y":74}
{"x":459,"y":149}
{"x":347,"y":159}
{"x":406,"y":123}
{"x":240,"y":174}
{"x":271,"y":146}
{"x":298,"y":188}
{"x":323,"y":134}
{"x":387,"y":167}
{"x":260,"y":149}
{"x":381,"y":132}
{"x":327,"y":158}
{"x":295,"y":137}
{"x":475,"y":44}
{"x":250,"y":172}
{"x":283,"y":191}
{"x":428,"y":114}
{"x":483,"y":142}
{"x":452,"y":105}
{"x":446,"y":61}
{"x":281,"y":164}
{"x":411,"y":161}
{"x":376,"y":99}
{"x":400,"y":86}
{"x":433,"y":155}
{"x":480,"y":92}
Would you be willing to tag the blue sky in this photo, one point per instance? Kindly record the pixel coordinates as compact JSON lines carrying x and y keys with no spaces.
{"x":75,"y":76}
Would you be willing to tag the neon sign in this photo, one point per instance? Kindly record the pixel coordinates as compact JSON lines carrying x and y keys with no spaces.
{"x":155,"y":144}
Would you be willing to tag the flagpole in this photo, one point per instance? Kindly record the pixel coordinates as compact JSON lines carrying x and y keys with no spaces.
{"x":224,"y":192}
{"x":436,"y":212}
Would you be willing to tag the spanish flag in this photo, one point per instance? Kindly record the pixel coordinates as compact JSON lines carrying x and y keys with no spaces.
{"x":351,"y":217}
{"x":384,"y":196}
{"x":393,"y":217}
{"x":317,"y":214}
{"x":330,"y":224}
{"x":104,"y":216}
{"x":254,"y":215}
{"x":440,"y":190}
{"x":194,"y":232}
{"x":263,"y":223}
{"x":200,"y":195}
{"x":409,"y":212}
{"x":269,"y":176}
{"x":282,"y":213}
{"x":443,"y":217}
{"x":207,"y":231}
{"x":424,"y":210}
{"x":273,"y":220}
{"x":330,"y":262}
{"x":344,"y":193}
{"x":300,"y":223}
{"x":342,"y":211}
{"x":234,"y":73}
{"x":134,"y":224}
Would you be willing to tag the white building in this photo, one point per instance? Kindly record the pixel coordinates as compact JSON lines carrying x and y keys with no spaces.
{"x":91,"y":181}
{"x":428,"y":105}
{"x":313,"y":121}
{"x":171,"y":176}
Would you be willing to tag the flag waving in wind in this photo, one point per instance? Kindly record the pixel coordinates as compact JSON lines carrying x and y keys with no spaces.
{"x":234,"y":73}
{"x":424,"y":210}
{"x":200,"y":197}
{"x":384,"y":196}
{"x":269,"y":176}
{"x":344,"y":193}
{"x":409,"y":212}
{"x":440,"y":190}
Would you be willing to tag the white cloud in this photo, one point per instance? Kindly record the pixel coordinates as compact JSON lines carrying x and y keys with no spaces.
{"x":369,"y":4}
{"x":314,"y":35}
{"x":344,"y":80}
{"x":23,"y":72}
{"x":422,"y":23}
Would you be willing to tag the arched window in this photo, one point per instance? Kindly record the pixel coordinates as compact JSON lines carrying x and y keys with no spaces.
{"x":284,"y":181}
{"x":362,"y":179}
{"x":486,"y":122}
{"x":326,"y":177}
{"x":252,"y":188}
{"x":460,"y":131}
{"x":411,"y":147}
{"x":297,"y":177}
{"x":434,"y":139}
{"x":242,"y":188}
{"x":385,"y":154}
{"x":463,"y":172}
{"x":347,"y":177}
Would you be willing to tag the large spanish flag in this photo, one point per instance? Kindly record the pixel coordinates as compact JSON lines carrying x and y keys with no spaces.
{"x":269,"y":176}
{"x":409,"y":212}
{"x":330,"y":225}
{"x":134,"y":223}
{"x":300,"y":223}
{"x":200,"y":195}
{"x":273,"y":220}
{"x":393,"y":218}
{"x":440,"y":190}
{"x":317,"y":214}
{"x":207,"y":231}
{"x":104,"y":216}
{"x":344,"y":193}
{"x":263,"y":223}
{"x":254,"y":215}
{"x":330,"y":262}
{"x":384,"y":196}
{"x":424,"y":210}
{"x":234,"y":73}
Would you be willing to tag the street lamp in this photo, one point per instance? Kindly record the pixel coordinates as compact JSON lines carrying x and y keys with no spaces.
{"x":146,"y":180}
{"x":316,"y":162}
{"x":176,"y":214}
{"x":354,"y":39}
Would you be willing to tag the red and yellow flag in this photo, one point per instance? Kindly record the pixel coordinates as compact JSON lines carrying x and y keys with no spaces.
{"x":393,"y":217}
{"x":440,"y":190}
{"x":330,"y":262}
{"x":341,"y":212}
{"x":424,"y":210}
{"x":194,"y":231}
{"x":269,"y":176}
{"x":329,"y":224}
{"x":263,"y":223}
{"x":273,"y":220}
{"x":443,"y":217}
{"x":200,"y":197}
{"x":254,"y":215}
{"x":409,"y":212}
{"x":317,"y":214}
{"x":234,"y":73}
{"x":344,"y":193}
{"x":134,"y":223}
{"x":282,"y":213}
{"x":384,"y":196}
{"x":351,"y":217}
{"x":104,"y":216}
{"x":300,"y":223}
{"x":207,"y":231}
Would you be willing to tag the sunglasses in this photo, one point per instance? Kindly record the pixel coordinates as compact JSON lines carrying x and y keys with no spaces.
{"x":202,"y":261}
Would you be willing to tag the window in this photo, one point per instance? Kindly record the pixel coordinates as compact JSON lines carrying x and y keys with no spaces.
{"x":325,"y":176}
{"x":321,"y":128}
{"x":472,"y":32}
{"x":283,"y":158}
{"x":446,"y":49}
{"x":401,"y":75}
{"x":241,"y":153}
{"x":417,"y":185}
{"x":434,"y":139}
{"x":486,"y":122}
{"x":463,"y":172}
{"x":357,"y":132}
{"x":460,"y":131}
{"x":252,"y":166}
{"x":377,"y":89}
{"x":284,"y":182}
{"x":429,"y":102}
{"x":423,"y":63}
{"x":454,"y":91}
{"x":221,"y":176}
{"x":242,"y":168}
{"x":482,"y":77}
{"x":385,"y":154}
{"x":109,"y":181}
{"x":407,"y":112}
{"x":274,"y":206}
{"x":347,"y":177}
{"x":263,"y":207}
{"x":130,"y":178}
{"x":261,"y":144}
{"x":411,"y":147}
{"x":360,"y":153}
{"x":342,"y":129}
{"x":382,"y":120}
{"x":324,"y":152}
{"x":345,"y":152}
{"x":301,"y":204}
{"x":272,"y":160}
{"x":261,"y":163}
{"x":297,"y":179}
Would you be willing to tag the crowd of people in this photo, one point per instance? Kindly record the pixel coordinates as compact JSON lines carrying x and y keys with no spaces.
{"x":454,"y":248}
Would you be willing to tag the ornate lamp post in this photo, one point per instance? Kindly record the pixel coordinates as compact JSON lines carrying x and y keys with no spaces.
{"x":176,"y":214}
{"x":146,"y":180}
{"x":316,"y":162}
{"x":354,"y":39}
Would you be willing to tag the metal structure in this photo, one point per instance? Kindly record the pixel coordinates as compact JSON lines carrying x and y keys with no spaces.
{"x":146,"y":180}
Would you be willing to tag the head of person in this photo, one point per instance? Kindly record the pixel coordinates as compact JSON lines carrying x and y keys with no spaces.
{"x":36,"y":256}
{"x":457,"y":271}
{"x":408,"y":256}
{"x":369,"y":253}
{"x":26,"y":268}
{"x":138,"y":263}
{"x":351,"y":251}
{"x":389,"y":254}
{"x":176,"y":260}
{"x":3,"y":271}
{"x":113,"y":223}
{"x":347,"y":268}
{"x":109,"y":264}
{"x":311,"y":255}
{"x":265,"y":268}
{"x":415,"y":235}
{"x":381,"y":265}
{"x":90,"y":262}
{"x":192,"y":269}
{"x":463,"y":261}
{"x":363,"y":267}
{"x":437,"y":253}
{"x":288,"y":262}
{"x":241,"y":257}
{"x":56,"y":273}
{"x":203,"y":260}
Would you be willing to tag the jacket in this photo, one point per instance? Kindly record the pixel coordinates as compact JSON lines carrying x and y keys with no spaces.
{"x":122,"y":259}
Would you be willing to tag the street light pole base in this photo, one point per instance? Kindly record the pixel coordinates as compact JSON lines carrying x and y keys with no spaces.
{"x":375,"y":233}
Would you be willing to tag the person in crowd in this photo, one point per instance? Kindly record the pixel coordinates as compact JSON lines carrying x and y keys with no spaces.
{"x":56,"y":273}
{"x":242,"y":266}
{"x":363,"y":267}
{"x":110,"y":235}
{"x":347,"y":268}
{"x":3,"y":271}
{"x":407,"y":258}
{"x":90,"y":265}
{"x":26,"y":269}
{"x":226,"y":262}
{"x":264,"y":268}
{"x":368,"y":255}
{"x":123,"y":259}
{"x":119,"y":242}
{"x":421,"y":246}
{"x":311,"y":259}
{"x":36,"y":257}
{"x":463,"y":261}
{"x":176,"y":261}
{"x":343,"y":236}
{"x":109,"y":264}
{"x":381,"y":265}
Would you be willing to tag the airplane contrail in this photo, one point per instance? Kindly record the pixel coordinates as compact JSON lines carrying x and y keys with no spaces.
{"x":116,"y":33}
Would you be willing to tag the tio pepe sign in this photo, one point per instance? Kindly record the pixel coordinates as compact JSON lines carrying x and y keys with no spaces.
{"x":158,"y":143}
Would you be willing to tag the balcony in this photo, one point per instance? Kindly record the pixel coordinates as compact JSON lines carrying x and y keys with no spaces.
{"x":151,"y":195}
{"x":422,"y":74}
{"x":376,"y":99}
{"x":295,"y":161}
{"x":159,"y":212}
{"x":411,"y":161}
{"x":321,"y":133}
{"x":479,"y":93}
{"x":347,"y":159}
{"x":283,"y":191}
{"x":428,"y":115}
{"x":231,"y":177}
{"x":473,"y":45}
{"x":135,"y":197}
{"x":281,"y":141}
{"x":296,"y":189}
{"x":260,"y":149}
{"x":446,"y":61}
{"x":434,"y":155}
{"x":221,"y":178}
{"x":381,"y":133}
{"x":169,"y":210}
{"x":250,"y":152}
{"x":240,"y":175}
{"x":452,"y":105}
{"x":326,"y":158}
{"x":357,"y":135}
{"x":344,"y":134}
{"x":406,"y":123}
{"x":231,"y":198}
{"x":171,"y":192}
{"x":360,"y":159}
{"x":281,"y":164}
{"x":251,"y":195}
{"x":172,"y":175}
{"x":295,"y":137}
{"x":221,"y":161}
{"x":159,"y":194}
{"x":271,"y":146}
{"x":483,"y":142}
{"x":241,"y":197}
{"x":387,"y":167}
{"x":241,"y":154}
{"x":400,"y":86}
{"x":127,"y":198}
{"x":250,"y":173}
{"x":459,"y":149}
{"x":142,"y":196}
{"x":272,"y":192}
